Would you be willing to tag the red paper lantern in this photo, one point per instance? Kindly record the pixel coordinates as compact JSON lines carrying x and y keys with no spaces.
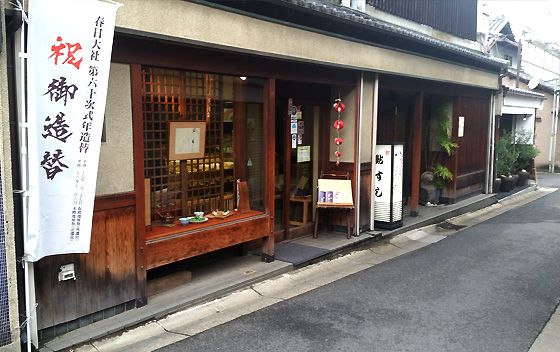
{"x":339,"y":124}
{"x":338,"y":141}
{"x":337,"y":154}
{"x":339,"y":106}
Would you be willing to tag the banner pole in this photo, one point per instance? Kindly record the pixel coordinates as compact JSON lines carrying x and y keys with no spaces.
{"x":29,"y":273}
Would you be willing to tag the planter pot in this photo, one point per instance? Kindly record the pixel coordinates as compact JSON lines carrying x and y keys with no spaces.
{"x":523,"y":179}
{"x":515,"y":178}
{"x":497,"y":184}
{"x":439,"y":191}
{"x":507,"y":183}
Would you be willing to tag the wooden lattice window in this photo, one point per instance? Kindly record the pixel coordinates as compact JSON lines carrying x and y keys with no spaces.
{"x":179,"y":188}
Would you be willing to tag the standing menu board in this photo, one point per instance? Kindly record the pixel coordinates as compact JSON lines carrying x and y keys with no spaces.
{"x":334,"y":193}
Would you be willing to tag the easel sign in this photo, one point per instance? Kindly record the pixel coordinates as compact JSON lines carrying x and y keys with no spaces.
{"x":335,"y":193}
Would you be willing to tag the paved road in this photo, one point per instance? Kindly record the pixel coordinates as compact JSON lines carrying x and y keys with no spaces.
{"x":491,"y":287}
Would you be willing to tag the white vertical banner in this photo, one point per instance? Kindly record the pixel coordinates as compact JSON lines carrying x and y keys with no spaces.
{"x":69,"y":53}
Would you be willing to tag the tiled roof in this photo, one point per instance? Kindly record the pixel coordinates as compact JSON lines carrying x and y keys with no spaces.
{"x":519,"y":91}
{"x":348,"y":14}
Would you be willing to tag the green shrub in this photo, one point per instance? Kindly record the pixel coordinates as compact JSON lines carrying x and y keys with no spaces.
{"x":506,"y":155}
{"x":527,"y":151}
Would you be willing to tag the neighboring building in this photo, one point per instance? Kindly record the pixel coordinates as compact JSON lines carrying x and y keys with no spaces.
{"x":237,"y":68}
{"x":9,"y":320}
{"x":530,"y":85}
{"x":541,"y":62}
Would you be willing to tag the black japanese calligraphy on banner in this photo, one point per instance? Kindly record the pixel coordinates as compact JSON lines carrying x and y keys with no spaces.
{"x":68,"y":72}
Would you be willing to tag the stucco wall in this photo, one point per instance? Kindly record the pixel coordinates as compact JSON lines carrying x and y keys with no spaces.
{"x":116,"y":168}
{"x":348,"y":96}
{"x":367,"y":118}
{"x":8,"y":206}
{"x":203,"y":25}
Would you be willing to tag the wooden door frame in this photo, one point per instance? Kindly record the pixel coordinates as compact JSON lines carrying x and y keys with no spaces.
{"x":288,"y":233}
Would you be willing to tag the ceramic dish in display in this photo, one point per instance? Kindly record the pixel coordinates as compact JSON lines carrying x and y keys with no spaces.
{"x":184,"y":221}
{"x":197,"y":220}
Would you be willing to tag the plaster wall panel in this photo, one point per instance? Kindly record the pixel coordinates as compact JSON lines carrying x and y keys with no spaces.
{"x":116,"y":167}
{"x":217,"y":28}
{"x":348,"y":96}
{"x":367,"y":118}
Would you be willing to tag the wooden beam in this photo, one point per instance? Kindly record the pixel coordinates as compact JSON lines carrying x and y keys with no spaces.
{"x":138,"y":147}
{"x":416,"y":152}
{"x":269,"y":176}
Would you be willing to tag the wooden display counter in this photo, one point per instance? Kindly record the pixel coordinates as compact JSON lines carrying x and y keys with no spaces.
{"x":166,"y":245}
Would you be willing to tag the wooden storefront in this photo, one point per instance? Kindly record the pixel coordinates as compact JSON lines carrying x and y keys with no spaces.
{"x":170,"y":83}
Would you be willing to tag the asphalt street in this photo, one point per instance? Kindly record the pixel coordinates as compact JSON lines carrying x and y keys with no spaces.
{"x":491,"y":287}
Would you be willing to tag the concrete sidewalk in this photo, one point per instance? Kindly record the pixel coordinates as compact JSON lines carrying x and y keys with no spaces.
{"x":249,"y":272}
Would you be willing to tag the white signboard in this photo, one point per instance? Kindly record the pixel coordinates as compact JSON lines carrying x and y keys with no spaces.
{"x":398,"y":165}
{"x":461,"y":128}
{"x":69,"y":52}
{"x":388,"y":176}
{"x":382,"y":190}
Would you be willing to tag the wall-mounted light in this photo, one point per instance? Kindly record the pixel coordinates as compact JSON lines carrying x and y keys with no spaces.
{"x":242,"y":78}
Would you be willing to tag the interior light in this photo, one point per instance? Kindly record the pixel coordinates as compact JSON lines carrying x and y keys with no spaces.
{"x":243,"y":78}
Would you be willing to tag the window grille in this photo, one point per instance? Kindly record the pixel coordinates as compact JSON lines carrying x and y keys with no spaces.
{"x":179,"y":188}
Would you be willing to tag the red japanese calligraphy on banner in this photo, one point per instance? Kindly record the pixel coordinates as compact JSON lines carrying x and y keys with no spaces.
{"x":68,"y":72}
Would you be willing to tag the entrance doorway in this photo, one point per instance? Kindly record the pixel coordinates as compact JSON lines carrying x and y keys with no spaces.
{"x":394,"y":127}
{"x":300,"y":110}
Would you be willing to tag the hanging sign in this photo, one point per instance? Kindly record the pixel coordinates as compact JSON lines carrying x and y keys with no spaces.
{"x":69,"y":53}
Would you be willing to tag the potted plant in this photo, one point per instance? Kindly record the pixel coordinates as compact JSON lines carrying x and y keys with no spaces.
{"x":506,"y":157}
{"x":527,"y":152}
{"x":442,"y":176}
{"x":439,"y":145}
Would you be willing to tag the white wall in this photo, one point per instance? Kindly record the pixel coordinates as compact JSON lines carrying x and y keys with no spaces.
{"x":116,"y":163}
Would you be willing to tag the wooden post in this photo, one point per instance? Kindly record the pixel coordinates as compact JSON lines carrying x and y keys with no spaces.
{"x":138,"y":147}
{"x":453,"y":161}
{"x":416,"y":152}
{"x":269,"y":177}
{"x":240,"y":129}
{"x":287,"y":168}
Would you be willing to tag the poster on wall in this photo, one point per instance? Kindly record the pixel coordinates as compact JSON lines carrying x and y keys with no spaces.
{"x":68,"y":71}
{"x":303,"y":154}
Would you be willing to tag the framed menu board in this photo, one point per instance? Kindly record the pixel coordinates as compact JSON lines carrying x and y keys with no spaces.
{"x":333,"y":193}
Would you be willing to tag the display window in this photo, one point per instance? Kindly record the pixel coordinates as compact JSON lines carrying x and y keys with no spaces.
{"x":202,"y":133}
